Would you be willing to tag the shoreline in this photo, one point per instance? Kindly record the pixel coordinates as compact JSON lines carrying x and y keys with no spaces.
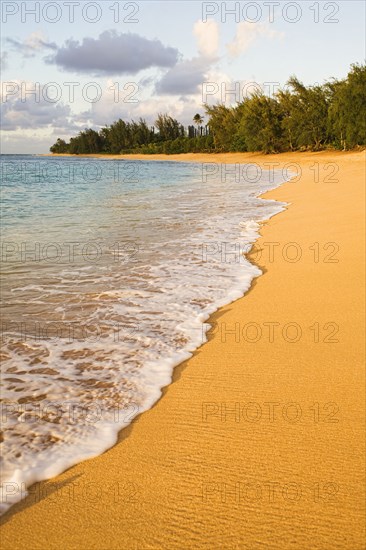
{"x":226,"y":158}
{"x":185,"y":353}
{"x":210,"y":371}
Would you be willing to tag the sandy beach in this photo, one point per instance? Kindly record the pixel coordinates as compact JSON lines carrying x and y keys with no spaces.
{"x":259,"y":441}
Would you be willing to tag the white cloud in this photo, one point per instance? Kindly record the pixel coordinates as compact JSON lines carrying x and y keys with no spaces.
{"x":185,"y":78}
{"x":4,"y":61}
{"x":247,"y":33}
{"x":35,"y":42}
{"x":207,"y":36}
{"x":28,"y":142}
{"x":107,"y":111}
{"x":22,"y":111}
{"x":113,"y":52}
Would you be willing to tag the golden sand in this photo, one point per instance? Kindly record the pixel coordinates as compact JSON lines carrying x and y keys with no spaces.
{"x":259,"y":441}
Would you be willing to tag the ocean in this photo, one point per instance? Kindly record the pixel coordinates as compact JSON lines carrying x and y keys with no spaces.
{"x":110,"y":271}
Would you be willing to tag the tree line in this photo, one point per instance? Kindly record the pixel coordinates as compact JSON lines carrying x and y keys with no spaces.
{"x":295,"y":118}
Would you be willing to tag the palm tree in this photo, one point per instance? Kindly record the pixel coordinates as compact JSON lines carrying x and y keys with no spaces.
{"x":198,"y":119}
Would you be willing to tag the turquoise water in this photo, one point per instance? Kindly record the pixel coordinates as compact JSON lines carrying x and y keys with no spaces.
{"x":109,"y":269}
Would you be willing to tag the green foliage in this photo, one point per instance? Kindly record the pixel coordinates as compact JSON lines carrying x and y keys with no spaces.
{"x":298,"y":118}
{"x":260,"y":124}
{"x":87,"y":141}
{"x":347,"y":111}
{"x":168,"y":127}
{"x":59,"y":147}
{"x":223,"y":125}
{"x":306,"y":116}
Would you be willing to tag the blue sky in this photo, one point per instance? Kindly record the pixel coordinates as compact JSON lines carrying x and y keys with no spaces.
{"x":159,"y":55}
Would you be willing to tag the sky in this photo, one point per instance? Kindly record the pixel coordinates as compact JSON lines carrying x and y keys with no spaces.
{"x":68,"y":65}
